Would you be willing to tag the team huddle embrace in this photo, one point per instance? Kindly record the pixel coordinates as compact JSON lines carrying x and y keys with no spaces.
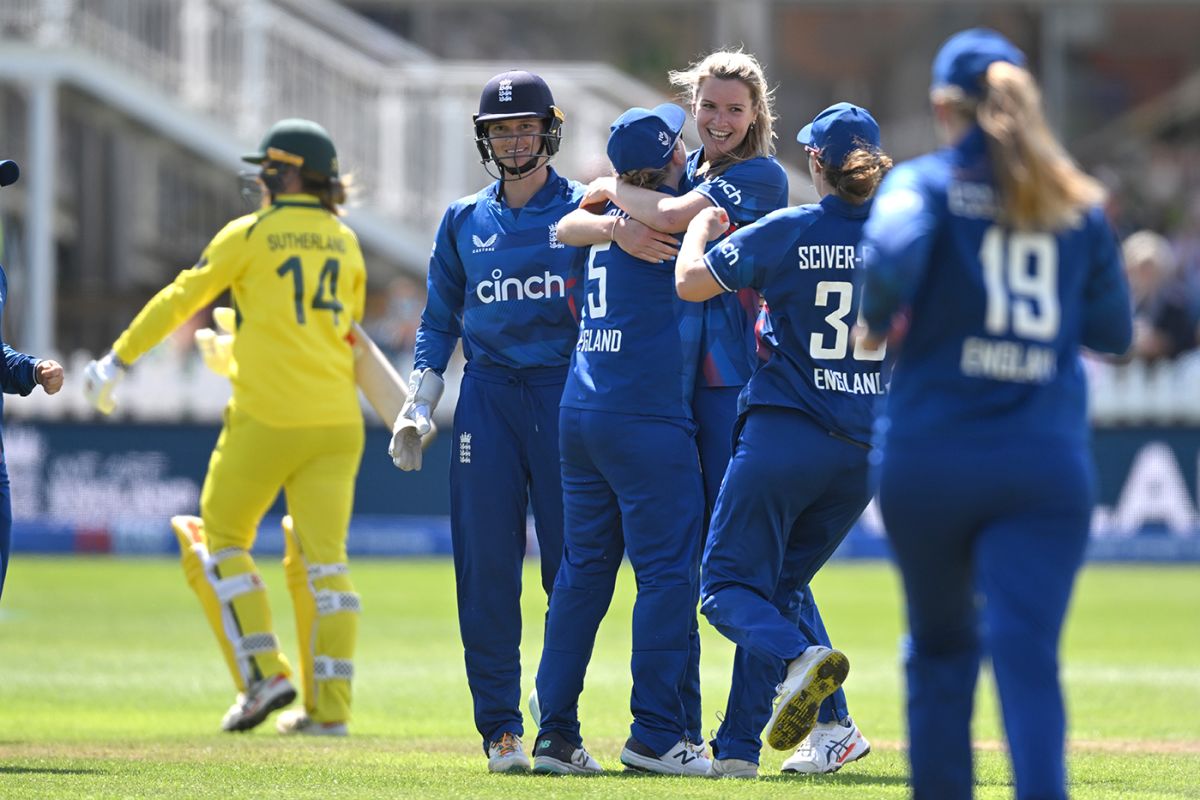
{"x":673,"y":366}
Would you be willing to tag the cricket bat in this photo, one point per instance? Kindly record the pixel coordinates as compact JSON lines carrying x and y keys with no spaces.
{"x":379,"y":382}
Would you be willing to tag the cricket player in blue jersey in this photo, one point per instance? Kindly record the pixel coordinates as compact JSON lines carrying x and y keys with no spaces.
{"x":625,"y":424}
{"x":798,"y":478}
{"x":997,"y":247}
{"x":734,"y":170}
{"x":19,"y":374}
{"x":500,"y":280}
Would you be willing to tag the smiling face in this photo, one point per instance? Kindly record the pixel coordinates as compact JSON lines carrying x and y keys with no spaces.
{"x":516,"y":141}
{"x":724,"y":110}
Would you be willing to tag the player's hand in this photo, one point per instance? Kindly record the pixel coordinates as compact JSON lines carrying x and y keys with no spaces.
{"x":100,"y":379}
{"x":50,"y":375}
{"x":601,"y":190}
{"x":712,"y":222}
{"x":643,"y":242}
{"x":216,"y":347}
{"x":405,"y":448}
{"x":425,"y":389}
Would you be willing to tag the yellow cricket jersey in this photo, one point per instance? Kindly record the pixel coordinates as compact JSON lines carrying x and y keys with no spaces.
{"x":298,"y":280}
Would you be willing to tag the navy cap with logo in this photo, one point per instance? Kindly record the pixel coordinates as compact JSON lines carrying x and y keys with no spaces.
{"x":965,"y":57}
{"x":838,"y":131}
{"x":644,"y":138}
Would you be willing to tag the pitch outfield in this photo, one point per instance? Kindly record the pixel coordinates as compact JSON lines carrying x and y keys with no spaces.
{"x":110,"y":686}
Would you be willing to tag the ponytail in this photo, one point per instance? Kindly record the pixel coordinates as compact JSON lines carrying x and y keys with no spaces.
{"x":1040,"y":186}
{"x":859,"y":175}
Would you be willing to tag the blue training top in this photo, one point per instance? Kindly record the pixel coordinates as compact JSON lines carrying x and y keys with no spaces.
{"x":997,"y":315}
{"x":500,"y":279}
{"x":748,"y":191}
{"x":17,"y":370}
{"x":804,"y":260}
{"x":630,"y":355}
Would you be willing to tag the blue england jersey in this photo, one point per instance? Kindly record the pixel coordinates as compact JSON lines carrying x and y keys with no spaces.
{"x":630,"y":356}
{"x":997,"y":315}
{"x":748,"y":191}
{"x":804,"y":261}
{"x":500,"y":279}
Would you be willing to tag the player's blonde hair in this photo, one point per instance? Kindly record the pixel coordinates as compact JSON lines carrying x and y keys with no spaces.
{"x":332,"y":192}
{"x":733,"y":65}
{"x":1040,"y":186}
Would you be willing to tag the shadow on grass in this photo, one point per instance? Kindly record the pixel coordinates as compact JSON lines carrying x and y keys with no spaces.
{"x":9,"y":770}
{"x":844,"y":779}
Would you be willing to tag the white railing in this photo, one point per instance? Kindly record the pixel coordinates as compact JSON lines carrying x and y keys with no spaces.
{"x":401,"y":120}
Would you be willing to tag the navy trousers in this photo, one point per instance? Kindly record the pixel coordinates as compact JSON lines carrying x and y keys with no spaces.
{"x":715,"y":411}
{"x":989,"y":538}
{"x":5,"y":521}
{"x":791,"y":494}
{"x":505,"y":460}
{"x":630,"y":483}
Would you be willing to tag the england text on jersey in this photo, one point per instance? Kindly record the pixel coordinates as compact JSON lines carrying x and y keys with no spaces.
{"x":832,"y":380}
{"x":1003,"y":360}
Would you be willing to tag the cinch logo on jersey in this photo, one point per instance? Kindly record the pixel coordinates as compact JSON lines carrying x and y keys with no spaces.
{"x":828,"y":256}
{"x":1002,"y":360}
{"x":487,"y":245}
{"x":536,"y":287}
{"x":729,"y":251}
{"x":728,"y":189}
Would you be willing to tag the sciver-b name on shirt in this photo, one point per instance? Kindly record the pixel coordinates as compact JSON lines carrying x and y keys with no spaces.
{"x":828,"y":256}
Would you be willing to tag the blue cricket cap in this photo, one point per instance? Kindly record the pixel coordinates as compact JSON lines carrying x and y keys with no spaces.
{"x":838,"y":131}
{"x":645,"y":138}
{"x":966,"y":55}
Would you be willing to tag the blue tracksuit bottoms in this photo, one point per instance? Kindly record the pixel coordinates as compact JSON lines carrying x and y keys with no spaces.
{"x":790,"y":495}
{"x":504,"y":461}
{"x":630,"y":483}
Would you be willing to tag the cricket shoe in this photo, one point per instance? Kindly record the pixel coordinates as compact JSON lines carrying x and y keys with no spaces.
{"x":255,"y":704}
{"x":297,"y":722}
{"x":829,"y":747}
{"x":682,"y":759}
{"x":733,"y":768}
{"x":507,"y":754}
{"x":813,"y":676}
{"x":555,"y":755}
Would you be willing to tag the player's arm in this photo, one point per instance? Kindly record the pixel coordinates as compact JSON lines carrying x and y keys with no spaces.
{"x":743,"y":259}
{"x":437,"y":336}
{"x":587,"y":225}
{"x":694,"y":280}
{"x":191,"y":290}
{"x":660,"y":211}
{"x":897,"y":241}
{"x":1107,"y":309}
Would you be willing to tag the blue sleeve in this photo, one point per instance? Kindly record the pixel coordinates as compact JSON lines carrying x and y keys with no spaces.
{"x":748,"y":191}
{"x":750,"y":256}
{"x":19,"y":377}
{"x":897,"y":240}
{"x":441,"y":321}
{"x":1107,"y":308}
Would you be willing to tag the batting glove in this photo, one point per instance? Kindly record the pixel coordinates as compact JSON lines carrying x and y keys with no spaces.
{"x":216,"y":347}
{"x":100,"y":379}
{"x":425,"y":389}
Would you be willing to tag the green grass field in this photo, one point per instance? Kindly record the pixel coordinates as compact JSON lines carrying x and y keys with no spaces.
{"x":110,"y":686}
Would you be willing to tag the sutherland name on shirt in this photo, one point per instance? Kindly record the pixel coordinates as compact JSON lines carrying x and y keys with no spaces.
{"x":828,"y":256}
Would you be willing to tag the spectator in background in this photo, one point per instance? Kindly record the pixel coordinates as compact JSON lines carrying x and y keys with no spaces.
{"x":1164,"y":325}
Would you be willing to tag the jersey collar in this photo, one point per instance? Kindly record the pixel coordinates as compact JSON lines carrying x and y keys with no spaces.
{"x":302,"y":200}
{"x":836,"y":205}
{"x":541,"y":198}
